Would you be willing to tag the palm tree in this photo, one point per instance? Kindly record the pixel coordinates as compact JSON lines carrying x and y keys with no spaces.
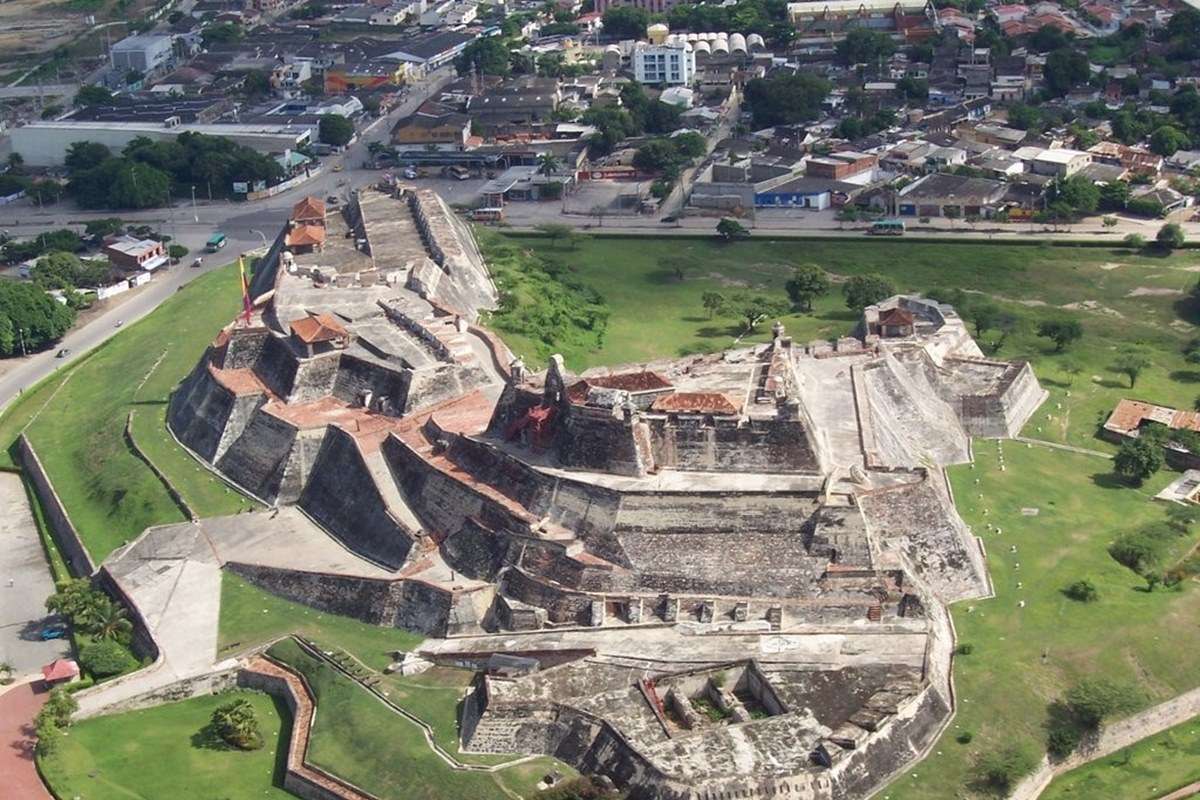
{"x":109,"y":620}
{"x":548,"y":162}
{"x":237,"y":723}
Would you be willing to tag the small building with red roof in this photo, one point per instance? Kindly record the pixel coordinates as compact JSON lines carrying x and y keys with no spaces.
{"x":60,"y":670}
{"x":319,"y":333}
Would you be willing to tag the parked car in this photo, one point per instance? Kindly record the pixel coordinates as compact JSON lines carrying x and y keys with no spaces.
{"x":57,"y":631}
{"x":120,"y":322}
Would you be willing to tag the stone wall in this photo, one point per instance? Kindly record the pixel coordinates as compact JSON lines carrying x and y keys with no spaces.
{"x":195,"y":686}
{"x":355,"y":377}
{"x":276,"y":366}
{"x":342,"y":496}
{"x":411,"y":605}
{"x":314,"y":377}
{"x":256,"y":459}
{"x":592,"y":438}
{"x":691,"y":442}
{"x":199,"y":411}
{"x":65,"y":534}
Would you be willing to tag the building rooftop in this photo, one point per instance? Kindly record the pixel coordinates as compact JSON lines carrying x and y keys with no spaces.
{"x":318,"y":328}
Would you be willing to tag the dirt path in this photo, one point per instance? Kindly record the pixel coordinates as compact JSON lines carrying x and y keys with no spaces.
{"x":18,"y":774}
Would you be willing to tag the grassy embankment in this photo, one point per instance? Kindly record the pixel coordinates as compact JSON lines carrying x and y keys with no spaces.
{"x":166,"y":751}
{"x":370,"y":745}
{"x":76,"y":421}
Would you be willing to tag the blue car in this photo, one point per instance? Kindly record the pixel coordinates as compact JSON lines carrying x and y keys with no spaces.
{"x":54,"y":632}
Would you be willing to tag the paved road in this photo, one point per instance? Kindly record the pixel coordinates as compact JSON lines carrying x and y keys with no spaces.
{"x":25,"y":583}
{"x":19,"y":778}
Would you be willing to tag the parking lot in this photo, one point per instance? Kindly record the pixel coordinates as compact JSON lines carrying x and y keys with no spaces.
{"x":25,"y":583}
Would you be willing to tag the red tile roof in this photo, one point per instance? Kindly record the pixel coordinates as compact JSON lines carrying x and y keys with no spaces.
{"x":635,"y":382}
{"x":697,"y":403}
{"x":896,"y":316}
{"x":305,"y":235}
{"x":1130,"y":414}
{"x":318,"y":328}
{"x":60,"y":669}
{"x":309,"y":208}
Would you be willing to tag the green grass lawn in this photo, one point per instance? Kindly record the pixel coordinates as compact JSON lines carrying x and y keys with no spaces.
{"x":78,"y":419}
{"x":1025,"y":658}
{"x":1149,"y":769}
{"x":165,"y":752}
{"x":358,"y":738}
{"x":251,"y":617}
{"x":1130,"y":297}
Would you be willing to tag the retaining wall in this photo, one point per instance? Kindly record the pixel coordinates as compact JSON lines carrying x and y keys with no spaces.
{"x":63,"y":530}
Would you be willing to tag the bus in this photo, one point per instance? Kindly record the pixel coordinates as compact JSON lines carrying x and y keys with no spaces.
{"x":487,"y":214}
{"x":215,"y":242}
{"x":887,"y":227}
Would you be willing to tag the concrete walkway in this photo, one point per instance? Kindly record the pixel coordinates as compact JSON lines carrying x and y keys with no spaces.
{"x":1069,"y":448}
{"x":19,"y":778}
{"x":25,"y":583}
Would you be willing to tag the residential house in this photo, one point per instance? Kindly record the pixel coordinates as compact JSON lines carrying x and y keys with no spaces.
{"x":944,"y":195}
{"x":131,"y":254}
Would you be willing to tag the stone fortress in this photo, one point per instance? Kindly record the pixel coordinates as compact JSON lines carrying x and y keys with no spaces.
{"x":708,"y":577}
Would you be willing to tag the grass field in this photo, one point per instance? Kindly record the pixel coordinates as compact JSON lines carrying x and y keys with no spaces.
{"x":76,"y":421}
{"x":1120,"y":297}
{"x":251,"y":617}
{"x":166,"y":752}
{"x":360,"y":739}
{"x":1025,"y":658}
{"x":1149,"y":769}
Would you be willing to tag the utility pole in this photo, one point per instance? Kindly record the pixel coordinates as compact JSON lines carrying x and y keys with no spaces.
{"x":195,"y":216}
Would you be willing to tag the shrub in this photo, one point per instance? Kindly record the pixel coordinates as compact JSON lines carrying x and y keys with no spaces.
{"x":1063,"y":735}
{"x":106,"y":658}
{"x":964,"y":738}
{"x":1083,"y":591}
{"x":237,"y":724}
{"x":1092,"y":700}
{"x":1138,"y":459}
{"x":1001,"y":768}
{"x":965,"y":649}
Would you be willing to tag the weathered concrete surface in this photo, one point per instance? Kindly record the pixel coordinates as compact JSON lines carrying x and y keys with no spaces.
{"x":25,"y":583}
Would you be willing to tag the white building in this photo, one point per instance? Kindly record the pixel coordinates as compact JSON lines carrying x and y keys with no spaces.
{"x":673,"y":64}
{"x":144,"y":53}
{"x":1060,"y":162}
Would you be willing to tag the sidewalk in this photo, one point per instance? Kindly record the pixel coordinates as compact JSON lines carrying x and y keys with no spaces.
{"x":19,"y":704}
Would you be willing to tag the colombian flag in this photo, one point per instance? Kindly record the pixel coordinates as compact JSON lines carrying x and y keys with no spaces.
{"x":247,"y":305}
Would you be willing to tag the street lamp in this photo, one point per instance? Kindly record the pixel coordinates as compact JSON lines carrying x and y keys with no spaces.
{"x":262,"y":236}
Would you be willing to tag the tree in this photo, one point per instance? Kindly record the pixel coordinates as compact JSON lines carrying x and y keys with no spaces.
{"x":753,"y":308}
{"x":1079,"y":193}
{"x":1083,"y":591}
{"x":237,"y":724}
{"x":1138,"y":459}
{"x":730,"y":229}
{"x":1170,"y":236}
{"x":785,"y":99}
{"x":555,"y":231}
{"x":92,"y":95}
{"x":1002,"y":767}
{"x":138,"y":185}
{"x":176,"y":252}
{"x":983,"y":315}
{"x":713,"y":303}
{"x":1023,"y":116}
{"x":29,"y":318}
{"x":106,"y":658}
{"x":108,"y":619}
{"x":99,"y":228}
{"x":865,"y":290}
{"x":1061,"y":331}
{"x":84,"y":155}
{"x":1065,"y":69}
{"x":548,"y":163}
{"x":335,"y":129}
{"x":486,"y":56}
{"x":1131,"y":362}
{"x":1166,"y":139}
{"x":1134,"y":241}
{"x":1092,"y":700}
{"x":808,"y":282}
{"x":222,"y":32}
{"x":75,"y":599}
{"x":656,"y":155}
{"x":626,"y":22}
{"x":864,"y":45}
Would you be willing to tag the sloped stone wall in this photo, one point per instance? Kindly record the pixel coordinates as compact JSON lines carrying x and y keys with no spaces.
{"x":729,"y":445}
{"x":342,"y":497}
{"x":356,"y":376}
{"x":199,"y":411}
{"x":256,"y":459}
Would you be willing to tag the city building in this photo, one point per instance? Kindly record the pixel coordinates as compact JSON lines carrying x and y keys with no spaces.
{"x":131,"y":254}
{"x":142,"y":53}
{"x":673,"y":64}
